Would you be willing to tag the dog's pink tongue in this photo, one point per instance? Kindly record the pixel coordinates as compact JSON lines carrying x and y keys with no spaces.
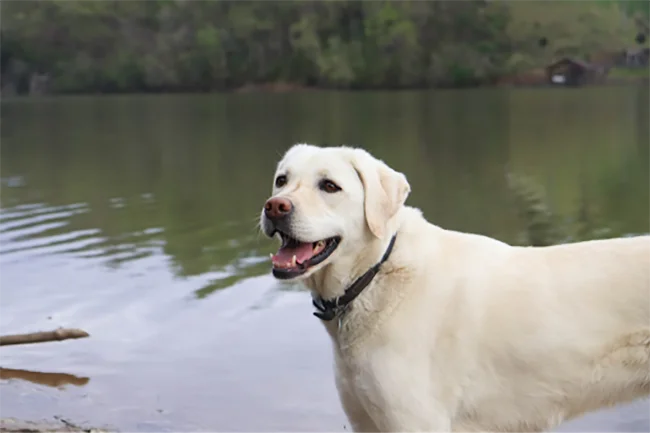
{"x":303,"y":252}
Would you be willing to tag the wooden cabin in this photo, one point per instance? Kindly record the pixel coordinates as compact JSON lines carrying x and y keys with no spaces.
{"x":572,"y":72}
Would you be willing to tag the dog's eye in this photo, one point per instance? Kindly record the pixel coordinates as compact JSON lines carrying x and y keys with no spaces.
{"x":280,"y":181}
{"x":329,"y":186}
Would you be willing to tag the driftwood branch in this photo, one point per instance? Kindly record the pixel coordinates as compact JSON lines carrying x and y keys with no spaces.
{"x":54,"y":380}
{"x":42,"y":337}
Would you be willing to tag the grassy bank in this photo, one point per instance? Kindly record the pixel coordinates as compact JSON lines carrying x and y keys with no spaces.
{"x":68,"y":46}
{"x":629,"y":74}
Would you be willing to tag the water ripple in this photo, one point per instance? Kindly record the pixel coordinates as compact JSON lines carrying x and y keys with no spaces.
{"x":25,"y":211}
{"x":50,"y":244}
{"x":222,"y":254}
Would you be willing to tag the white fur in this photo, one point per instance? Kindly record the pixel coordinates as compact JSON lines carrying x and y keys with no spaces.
{"x":462,"y":332}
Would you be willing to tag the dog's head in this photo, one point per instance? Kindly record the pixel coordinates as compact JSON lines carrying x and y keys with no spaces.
{"x":326,"y":202}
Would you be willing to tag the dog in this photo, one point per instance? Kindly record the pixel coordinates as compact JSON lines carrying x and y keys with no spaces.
{"x":438,"y":330}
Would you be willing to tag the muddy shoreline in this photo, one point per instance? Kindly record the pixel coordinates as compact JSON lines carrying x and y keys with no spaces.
{"x":13,"y":425}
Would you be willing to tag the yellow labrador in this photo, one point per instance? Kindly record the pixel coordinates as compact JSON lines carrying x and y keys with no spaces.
{"x":436,"y":330}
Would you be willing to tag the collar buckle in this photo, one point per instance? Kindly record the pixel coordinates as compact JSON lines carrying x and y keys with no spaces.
{"x":323,"y":312}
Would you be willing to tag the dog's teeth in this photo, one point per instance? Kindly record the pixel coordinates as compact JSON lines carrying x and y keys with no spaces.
{"x":293,"y":261}
{"x":319,"y":245}
{"x":271,"y":256}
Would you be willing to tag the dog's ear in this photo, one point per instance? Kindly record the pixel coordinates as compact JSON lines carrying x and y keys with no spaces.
{"x":386,"y":190}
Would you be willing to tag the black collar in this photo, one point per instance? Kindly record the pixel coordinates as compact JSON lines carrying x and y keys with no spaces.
{"x":329,"y":309}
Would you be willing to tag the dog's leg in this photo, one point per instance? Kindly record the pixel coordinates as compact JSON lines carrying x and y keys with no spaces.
{"x":399,"y":396}
{"x":359,"y":419}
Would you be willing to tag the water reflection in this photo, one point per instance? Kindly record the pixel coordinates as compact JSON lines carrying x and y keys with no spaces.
{"x":135,"y":218}
{"x":101,"y":181}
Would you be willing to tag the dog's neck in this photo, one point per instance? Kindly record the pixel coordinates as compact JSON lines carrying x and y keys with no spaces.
{"x":332,"y":281}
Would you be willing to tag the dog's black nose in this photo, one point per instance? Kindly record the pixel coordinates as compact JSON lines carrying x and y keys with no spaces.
{"x":277,"y":208}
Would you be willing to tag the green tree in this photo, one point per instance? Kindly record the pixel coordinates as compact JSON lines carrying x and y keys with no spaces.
{"x":175,"y":45}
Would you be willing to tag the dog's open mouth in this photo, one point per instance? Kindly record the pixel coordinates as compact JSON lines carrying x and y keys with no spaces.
{"x":294,"y":257}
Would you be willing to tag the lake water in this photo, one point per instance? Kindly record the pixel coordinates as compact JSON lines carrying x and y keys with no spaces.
{"x":134,"y":218}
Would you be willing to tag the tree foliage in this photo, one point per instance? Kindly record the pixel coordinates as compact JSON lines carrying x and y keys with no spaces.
{"x":174,"y":45}
{"x":577,"y":29}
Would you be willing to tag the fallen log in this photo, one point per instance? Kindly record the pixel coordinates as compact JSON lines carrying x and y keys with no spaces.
{"x":54,"y":380}
{"x":43,"y":337}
